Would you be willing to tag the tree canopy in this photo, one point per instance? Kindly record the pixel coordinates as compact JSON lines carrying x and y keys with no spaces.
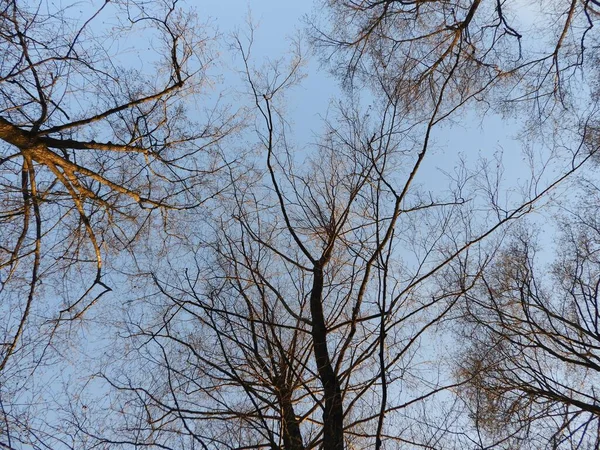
{"x":177,"y":271}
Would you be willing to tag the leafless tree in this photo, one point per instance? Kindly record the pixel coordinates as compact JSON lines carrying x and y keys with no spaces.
{"x":310,"y":306}
{"x":496,"y":53}
{"x":312,"y":316}
{"x":531,"y":52}
{"x":95,"y":141}
{"x":533,"y":339}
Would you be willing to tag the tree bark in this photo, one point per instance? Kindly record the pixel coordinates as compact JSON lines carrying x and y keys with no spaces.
{"x":292,"y":438}
{"x":333,"y":415}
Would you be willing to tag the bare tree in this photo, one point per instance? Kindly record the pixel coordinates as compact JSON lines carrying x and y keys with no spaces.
{"x":310,"y":306}
{"x":495,"y":52}
{"x":533,"y":339}
{"x":95,"y":139}
{"x":312,"y":314}
{"x":531,"y":52}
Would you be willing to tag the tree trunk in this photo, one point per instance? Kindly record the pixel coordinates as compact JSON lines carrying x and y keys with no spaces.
{"x":333,"y":415}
